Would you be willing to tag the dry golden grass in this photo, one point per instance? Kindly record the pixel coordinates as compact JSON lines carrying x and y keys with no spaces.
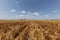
{"x":29,"y":29}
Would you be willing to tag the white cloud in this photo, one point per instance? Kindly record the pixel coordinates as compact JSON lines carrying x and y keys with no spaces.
{"x":13,"y":10}
{"x":30,"y":13}
{"x":36,"y":13}
{"x":23,"y":11}
{"x":46,"y":15}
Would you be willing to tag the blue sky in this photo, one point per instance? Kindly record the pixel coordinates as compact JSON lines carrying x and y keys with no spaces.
{"x":29,"y":9}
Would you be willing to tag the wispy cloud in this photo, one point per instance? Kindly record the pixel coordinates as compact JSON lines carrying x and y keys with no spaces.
{"x":46,"y":15}
{"x":13,"y":10}
{"x":23,"y":11}
{"x":36,"y":13}
{"x":54,"y":11}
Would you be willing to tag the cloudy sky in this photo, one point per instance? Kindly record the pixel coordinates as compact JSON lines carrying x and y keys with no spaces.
{"x":29,"y":9}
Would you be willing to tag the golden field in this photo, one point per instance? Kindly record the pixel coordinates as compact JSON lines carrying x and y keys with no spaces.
{"x":29,"y":29}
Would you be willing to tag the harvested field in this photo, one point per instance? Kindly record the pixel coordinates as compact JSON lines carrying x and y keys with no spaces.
{"x":30,"y":30}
